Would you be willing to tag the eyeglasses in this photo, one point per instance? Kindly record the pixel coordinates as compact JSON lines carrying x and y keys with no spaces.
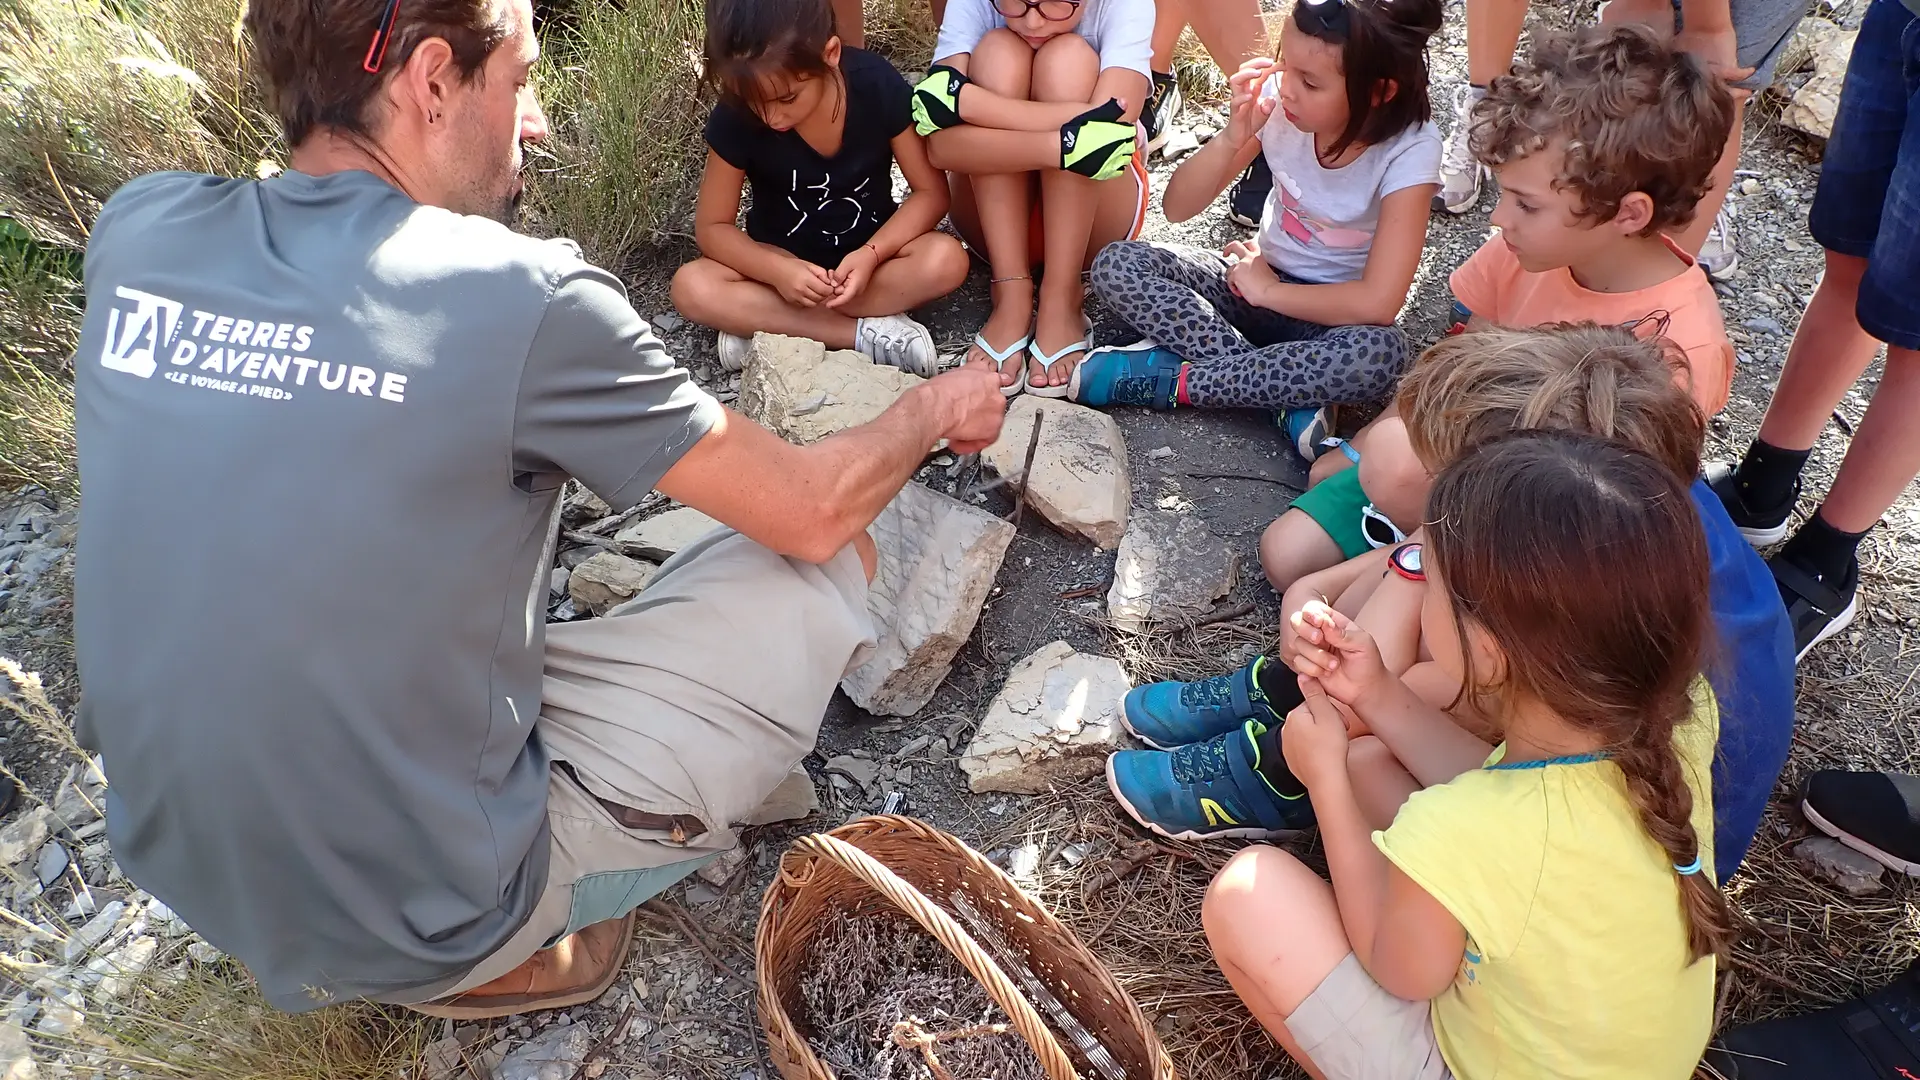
{"x":1323,"y":17}
{"x":1050,"y":10}
{"x":382,"y":34}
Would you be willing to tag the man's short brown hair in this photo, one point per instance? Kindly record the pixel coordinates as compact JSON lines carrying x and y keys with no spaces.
{"x":1608,"y":381}
{"x":311,"y":53}
{"x":1632,"y":113}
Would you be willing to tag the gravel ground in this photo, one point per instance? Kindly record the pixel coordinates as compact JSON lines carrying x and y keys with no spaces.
{"x":689,"y":985}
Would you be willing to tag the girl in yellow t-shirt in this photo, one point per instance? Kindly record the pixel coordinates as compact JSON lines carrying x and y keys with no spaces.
{"x":1551,"y":912}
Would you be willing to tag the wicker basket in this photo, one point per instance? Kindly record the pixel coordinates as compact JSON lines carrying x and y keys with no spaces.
{"x":1043,"y":973}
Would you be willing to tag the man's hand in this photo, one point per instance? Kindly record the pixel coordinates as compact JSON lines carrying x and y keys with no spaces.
{"x":852,"y":275}
{"x":1718,"y":49}
{"x":1334,"y":651}
{"x":803,"y":284}
{"x":1249,"y":275}
{"x":1314,"y":740}
{"x":1247,"y":112}
{"x":971,"y":407}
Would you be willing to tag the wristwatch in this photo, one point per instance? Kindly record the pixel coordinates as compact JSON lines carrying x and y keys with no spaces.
{"x":1405,"y":561}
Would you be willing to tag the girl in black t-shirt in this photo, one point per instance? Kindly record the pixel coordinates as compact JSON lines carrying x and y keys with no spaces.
{"x":814,"y":129}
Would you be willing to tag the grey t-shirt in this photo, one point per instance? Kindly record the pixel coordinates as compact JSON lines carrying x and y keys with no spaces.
{"x":322,"y":433}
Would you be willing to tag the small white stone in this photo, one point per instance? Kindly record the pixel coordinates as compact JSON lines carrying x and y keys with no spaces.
{"x":22,"y":837}
{"x":607,"y":580}
{"x":98,"y":929}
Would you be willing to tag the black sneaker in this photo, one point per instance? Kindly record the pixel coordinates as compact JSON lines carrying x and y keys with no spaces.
{"x":1161,"y":108}
{"x":1874,"y":813}
{"x":1247,"y":198}
{"x":1762,"y":526}
{"x":1818,"y":609}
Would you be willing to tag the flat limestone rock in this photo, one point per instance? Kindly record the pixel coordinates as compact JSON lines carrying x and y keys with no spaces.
{"x":554,"y":1054}
{"x":804,"y":393}
{"x":1080,"y":480}
{"x":608,"y":579}
{"x":938,"y":559}
{"x":1814,"y":105}
{"x":662,"y":535}
{"x":1056,"y":719}
{"x":1850,"y":871}
{"x":1169,"y":567}
{"x":794,"y":799}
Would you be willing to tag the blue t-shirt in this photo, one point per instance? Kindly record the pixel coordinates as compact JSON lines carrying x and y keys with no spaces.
{"x":1751,"y":670}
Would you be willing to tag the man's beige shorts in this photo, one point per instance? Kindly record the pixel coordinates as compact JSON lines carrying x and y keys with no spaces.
{"x":1354,"y":1030}
{"x":693,"y":700}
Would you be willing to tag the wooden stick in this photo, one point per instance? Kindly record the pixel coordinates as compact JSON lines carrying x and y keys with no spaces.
{"x":1026,"y":470}
{"x":1239,"y":476}
{"x":1225,"y":614}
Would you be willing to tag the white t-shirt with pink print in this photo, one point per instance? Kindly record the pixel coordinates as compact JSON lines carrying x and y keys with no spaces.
{"x":1319,"y":223}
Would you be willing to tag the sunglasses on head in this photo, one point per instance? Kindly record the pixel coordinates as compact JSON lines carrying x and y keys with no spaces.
{"x":382,"y":35}
{"x":1323,"y":18}
{"x":1050,"y":10}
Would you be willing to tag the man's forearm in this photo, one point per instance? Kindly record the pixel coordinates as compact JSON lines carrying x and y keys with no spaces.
{"x":860,"y":470}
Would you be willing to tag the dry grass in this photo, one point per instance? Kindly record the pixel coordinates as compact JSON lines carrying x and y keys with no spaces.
{"x":621,"y":87}
{"x":901,"y":30}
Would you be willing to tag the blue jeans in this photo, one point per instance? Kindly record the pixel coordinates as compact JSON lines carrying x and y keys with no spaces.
{"x":1868,"y":202}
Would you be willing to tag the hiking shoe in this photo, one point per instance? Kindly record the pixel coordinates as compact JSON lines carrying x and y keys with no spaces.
{"x":1761,"y":525}
{"x":1874,"y":813}
{"x":1818,"y":609}
{"x":733,"y":350}
{"x":1308,"y":430}
{"x":1247,"y":199}
{"x":1718,"y":257}
{"x":1142,"y":374}
{"x":1165,"y":715}
{"x":572,"y":971}
{"x":1162,"y":107}
{"x":897,"y":341}
{"x":1461,"y":176}
{"x":1209,"y":791}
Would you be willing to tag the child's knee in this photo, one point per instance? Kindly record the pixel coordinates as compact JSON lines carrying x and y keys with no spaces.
{"x":1240,"y":894}
{"x":693,"y":288}
{"x":1004,"y":63}
{"x":1065,"y":69}
{"x":1294,"y":546}
{"x":947,"y":262}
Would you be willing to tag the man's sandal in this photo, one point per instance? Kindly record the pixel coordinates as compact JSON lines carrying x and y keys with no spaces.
{"x":1000,"y":358}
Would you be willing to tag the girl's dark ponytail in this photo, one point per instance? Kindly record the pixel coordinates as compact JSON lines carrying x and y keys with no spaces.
{"x":1382,"y":42}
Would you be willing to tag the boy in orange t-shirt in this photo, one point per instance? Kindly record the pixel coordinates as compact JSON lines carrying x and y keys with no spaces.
{"x":1603,"y":140}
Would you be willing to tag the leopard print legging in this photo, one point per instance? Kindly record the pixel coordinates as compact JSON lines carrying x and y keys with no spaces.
{"x":1242,"y":356}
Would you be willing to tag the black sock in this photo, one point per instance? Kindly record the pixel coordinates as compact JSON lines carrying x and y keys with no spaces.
{"x":1824,"y":551}
{"x":1280,"y":686}
{"x":1273,"y":766}
{"x":1767,"y":475}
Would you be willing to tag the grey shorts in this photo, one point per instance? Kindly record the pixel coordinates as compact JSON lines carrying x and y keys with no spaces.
{"x":1354,"y":1030}
{"x":693,"y":700}
{"x":1763,"y":28}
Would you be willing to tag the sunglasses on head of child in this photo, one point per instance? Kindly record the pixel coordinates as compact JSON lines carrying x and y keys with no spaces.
{"x":1050,"y":10}
{"x":1323,"y":18}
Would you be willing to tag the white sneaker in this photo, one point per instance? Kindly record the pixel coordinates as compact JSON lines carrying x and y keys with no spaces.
{"x":897,"y":341}
{"x":733,"y":350}
{"x":1460,"y":175}
{"x":1718,"y":257}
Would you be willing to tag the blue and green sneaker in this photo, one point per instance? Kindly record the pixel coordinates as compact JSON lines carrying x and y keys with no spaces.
{"x":1144,"y":373}
{"x":1208,"y":791}
{"x":1168,"y":714}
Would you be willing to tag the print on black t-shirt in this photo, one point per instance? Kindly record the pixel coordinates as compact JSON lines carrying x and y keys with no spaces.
{"x":821,"y":208}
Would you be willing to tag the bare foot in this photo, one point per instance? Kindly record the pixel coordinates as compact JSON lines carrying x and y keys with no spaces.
{"x":1012,"y":316}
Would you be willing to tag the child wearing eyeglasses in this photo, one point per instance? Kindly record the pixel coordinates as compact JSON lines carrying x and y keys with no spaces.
{"x":814,"y":128}
{"x":1031,"y":105}
{"x":1302,"y":316}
